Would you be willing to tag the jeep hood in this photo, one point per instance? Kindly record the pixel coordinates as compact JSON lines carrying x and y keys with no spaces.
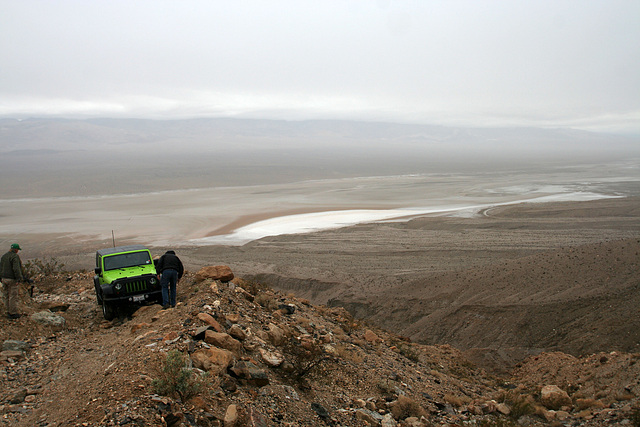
{"x":119,"y":273}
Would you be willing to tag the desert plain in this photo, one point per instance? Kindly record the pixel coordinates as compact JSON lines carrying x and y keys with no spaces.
{"x":501,"y":264}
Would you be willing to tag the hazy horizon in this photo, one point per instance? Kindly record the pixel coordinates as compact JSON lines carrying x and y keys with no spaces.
{"x":54,"y":157}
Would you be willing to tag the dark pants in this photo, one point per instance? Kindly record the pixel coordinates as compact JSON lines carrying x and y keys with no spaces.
{"x":168,"y":282}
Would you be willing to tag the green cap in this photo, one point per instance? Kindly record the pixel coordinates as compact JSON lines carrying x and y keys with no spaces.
{"x":16,"y":246}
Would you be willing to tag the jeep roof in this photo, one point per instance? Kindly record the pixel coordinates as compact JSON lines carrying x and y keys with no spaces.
{"x":119,"y":249}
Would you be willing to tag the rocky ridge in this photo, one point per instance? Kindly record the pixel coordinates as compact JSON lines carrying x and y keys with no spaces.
{"x":258,"y":357}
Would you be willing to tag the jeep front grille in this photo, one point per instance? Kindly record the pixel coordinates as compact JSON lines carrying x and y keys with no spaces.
{"x":136,"y":286}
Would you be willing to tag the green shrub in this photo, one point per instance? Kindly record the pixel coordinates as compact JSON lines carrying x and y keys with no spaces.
{"x":175,"y":377}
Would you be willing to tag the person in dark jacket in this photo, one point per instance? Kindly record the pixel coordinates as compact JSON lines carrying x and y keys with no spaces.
{"x":11,"y":272}
{"x":171,"y":270}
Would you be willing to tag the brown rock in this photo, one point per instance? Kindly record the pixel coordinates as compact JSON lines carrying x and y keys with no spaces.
{"x":255,"y":418}
{"x":245,"y":294}
{"x":588,"y":403}
{"x":503,"y":409}
{"x":489,"y":407}
{"x":359,"y":403}
{"x":250,"y":372}
{"x":271,"y":358}
{"x":214,"y":360}
{"x":12,"y":354}
{"x":553,"y":397}
{"x":171,"y":336}
{"x":215,"y":272}
{"x":209,"y":320}
{"x":231,"y":416}
{"x":369,"y":417}
{"x":474,"y":409}
{"x":548,"y":415}
{"x":371,"y":337}
{"x":233,"y":317}
{"x":199,"y":403}
{"x":307,"y":342}
{"x":223,"y":340}
{"x":135,"y":328}
{"x":237,"y":332}
{"x":276,"y":334}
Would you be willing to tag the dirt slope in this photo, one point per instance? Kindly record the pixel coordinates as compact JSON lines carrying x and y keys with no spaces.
{"x":557,"y":276}
{"x":90,"y":372}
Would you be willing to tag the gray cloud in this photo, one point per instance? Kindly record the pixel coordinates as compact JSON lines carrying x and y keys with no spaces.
{"x":489,"y":63}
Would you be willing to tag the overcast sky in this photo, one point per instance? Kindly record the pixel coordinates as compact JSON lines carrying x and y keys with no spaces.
{"x":478,"y":63}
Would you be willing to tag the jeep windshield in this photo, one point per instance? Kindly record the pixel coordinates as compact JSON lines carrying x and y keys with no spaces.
{"x":131,"y":259}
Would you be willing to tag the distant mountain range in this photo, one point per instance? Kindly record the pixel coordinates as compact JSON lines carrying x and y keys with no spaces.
{"x":44,"y":156}
{"x":238,"y":135}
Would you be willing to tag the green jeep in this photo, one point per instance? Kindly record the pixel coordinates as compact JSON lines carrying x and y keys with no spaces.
{"x":125,"y":275}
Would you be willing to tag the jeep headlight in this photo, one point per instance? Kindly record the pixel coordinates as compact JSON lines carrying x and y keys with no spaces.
{"x":153,"y":281}
{"x":118,"y":287}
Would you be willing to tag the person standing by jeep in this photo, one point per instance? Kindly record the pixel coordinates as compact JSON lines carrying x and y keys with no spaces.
{"x":171,"y":270}
{"x":11,"y":272}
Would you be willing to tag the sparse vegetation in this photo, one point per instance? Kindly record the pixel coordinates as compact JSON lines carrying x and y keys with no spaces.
{"x":44,"y":271}
{"x":44,"y":267}
{"x":251,"y":286}
{"x":304,"y":356}
{"x":349,"y":354}
{"x":407,"y":351}
{"x":388,"y":387}
{"x":635,"y":417}
{"x":519,"y":404}
{"x":267,"y":301}
{"x":176,"y":378}
{"x":406,"y":407}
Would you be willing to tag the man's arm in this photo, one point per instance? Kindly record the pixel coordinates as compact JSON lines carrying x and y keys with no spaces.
{"x":17,"y":268}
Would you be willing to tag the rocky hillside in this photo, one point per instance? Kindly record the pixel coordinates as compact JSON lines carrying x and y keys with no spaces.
{"x":241,"y":354}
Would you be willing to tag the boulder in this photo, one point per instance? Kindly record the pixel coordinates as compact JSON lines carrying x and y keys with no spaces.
{"x":276,"y":334}
{"x":223,"y":340}
{"x":250,"y":372}
{"x":271,"y":358}
{"x":553,"y":397}
{"x":48,"y":318}
{"x":388,"y":421}
{"x":214,"y":360}
{"x":18,"y":396}
{"x":368,"y":416}
{"x":237,"y":332}
{"x":215,"y":272}
{"x":231,"y":415}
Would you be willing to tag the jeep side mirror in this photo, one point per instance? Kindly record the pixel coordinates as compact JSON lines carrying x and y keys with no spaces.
{"x":98,"y":271}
